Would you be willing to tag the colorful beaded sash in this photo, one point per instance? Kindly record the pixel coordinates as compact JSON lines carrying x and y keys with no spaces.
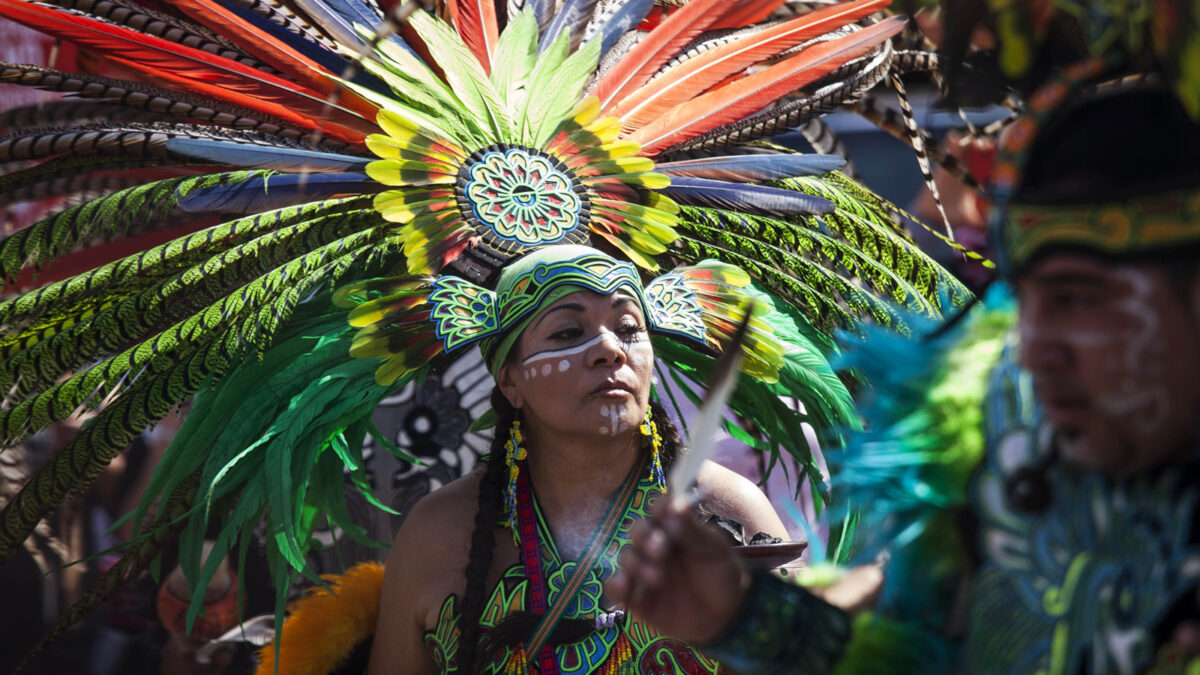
{"x":531,"y":557}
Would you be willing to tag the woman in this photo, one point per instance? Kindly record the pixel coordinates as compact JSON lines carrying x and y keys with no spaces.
{"x":575,"y":426}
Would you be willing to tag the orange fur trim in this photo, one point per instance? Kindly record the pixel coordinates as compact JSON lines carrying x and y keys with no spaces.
{"x":323,"y":628}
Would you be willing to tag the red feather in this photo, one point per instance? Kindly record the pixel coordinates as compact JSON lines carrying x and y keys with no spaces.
{"x":747,"y":13}
{"x":698,"y":74}
{"x":477,"y":25}
{"x":655,"y":49}
{"x":754,"y":92}
{"x":271,"y":51}
{"x":194,"y":70}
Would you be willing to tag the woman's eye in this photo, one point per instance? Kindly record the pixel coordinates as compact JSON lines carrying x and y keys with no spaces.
{"x":630,"y":330}
{"x":566,"y":334}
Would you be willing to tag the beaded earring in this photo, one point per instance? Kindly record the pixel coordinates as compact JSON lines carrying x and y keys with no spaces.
{"x":650,"y":430}
{"x":514,"y":452}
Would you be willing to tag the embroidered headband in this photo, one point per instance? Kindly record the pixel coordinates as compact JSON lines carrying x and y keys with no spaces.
{"x":1139,"y":224}
{"x":465,"y":314}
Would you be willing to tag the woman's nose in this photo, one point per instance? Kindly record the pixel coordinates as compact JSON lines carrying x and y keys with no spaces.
{"x":606,"y":351}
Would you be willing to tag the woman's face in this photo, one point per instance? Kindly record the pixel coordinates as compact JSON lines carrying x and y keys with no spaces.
{"x":583,"y":366}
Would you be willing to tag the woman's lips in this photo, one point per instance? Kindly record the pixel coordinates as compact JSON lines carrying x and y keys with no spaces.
{"x":613,"y":390}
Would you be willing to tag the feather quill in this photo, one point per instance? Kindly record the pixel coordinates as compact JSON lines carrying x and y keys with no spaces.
{"x":696,"y":75}
{"x":753,"y":92}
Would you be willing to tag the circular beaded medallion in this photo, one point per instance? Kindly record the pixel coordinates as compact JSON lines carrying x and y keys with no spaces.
{"x":524,"y":197}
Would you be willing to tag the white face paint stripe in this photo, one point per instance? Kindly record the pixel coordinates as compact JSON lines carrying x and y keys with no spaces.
{"x":569,"y":351}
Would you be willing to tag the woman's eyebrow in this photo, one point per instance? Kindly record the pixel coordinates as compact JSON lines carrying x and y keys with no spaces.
{"x":571,"y":306}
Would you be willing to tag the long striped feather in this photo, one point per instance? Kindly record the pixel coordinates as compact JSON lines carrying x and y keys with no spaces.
{"x":753,"y":92}
{"x":690,"y":78}
{"x":140,"y":96}
{"x":37,"y":357}
{"x":223,"y":79}
{"x":625,"y":19}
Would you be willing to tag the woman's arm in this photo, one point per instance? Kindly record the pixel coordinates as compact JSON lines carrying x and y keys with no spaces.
{"x":399,"y":647}
{"x":424,"y":567}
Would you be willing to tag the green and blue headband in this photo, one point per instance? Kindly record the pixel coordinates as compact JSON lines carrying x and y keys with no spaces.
{"x":408,"y":322}
{"x":464,"y":313}
{"x":1133,"y":226}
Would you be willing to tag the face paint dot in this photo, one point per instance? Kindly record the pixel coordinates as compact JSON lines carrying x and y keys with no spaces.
{"x":604,"y":430}
{"x":604,"y":410}
{"x":546,"y":369}
{"x":563,"y":365}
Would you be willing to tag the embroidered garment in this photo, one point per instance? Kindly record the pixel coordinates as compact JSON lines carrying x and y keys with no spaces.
{"x":1095,"y":582}
{"x":627,"y":647}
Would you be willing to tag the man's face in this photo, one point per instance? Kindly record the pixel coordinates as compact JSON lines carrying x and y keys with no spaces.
{"x":1114,"y":358}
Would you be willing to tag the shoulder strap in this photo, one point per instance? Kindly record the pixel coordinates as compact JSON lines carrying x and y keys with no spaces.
{"x":532,"y":560}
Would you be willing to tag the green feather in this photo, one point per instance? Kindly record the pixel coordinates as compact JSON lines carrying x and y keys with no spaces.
{"x":107,"y":217}
{"x":134,"y":318}
{"x":463,"y":71}
{"x":513,"y":63}
{"x":555,"y":87}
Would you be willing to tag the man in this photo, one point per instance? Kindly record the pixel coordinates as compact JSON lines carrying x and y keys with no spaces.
{"x":1088,"y":550}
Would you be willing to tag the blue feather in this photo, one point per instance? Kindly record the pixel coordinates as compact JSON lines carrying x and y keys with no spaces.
{"x":571,"y":17}
{"x":247,"y":156}
{"x":267,"y":191}
{"x":542,"y":10}
{"x":753,"y":168}
{"x":339,"y":17}
{"x":331,"y":61}
{"x":770,"y":201}
{"x":623,"y":20}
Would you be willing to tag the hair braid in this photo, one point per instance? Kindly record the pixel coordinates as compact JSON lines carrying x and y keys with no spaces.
{"x":483,"y":538}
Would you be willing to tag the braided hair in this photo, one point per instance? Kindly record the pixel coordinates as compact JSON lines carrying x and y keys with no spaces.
{"x":518,"y":626}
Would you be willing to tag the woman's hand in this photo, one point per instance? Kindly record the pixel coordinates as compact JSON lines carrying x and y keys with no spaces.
{"x":680,"y":576}
{"x":683,"y":579}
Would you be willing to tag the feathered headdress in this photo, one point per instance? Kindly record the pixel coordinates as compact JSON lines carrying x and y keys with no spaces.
{"x":330,"y":172}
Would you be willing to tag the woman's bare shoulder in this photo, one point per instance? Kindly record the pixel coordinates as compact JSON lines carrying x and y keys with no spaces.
{"x":445,"y":516}
{"x":733,"y":496}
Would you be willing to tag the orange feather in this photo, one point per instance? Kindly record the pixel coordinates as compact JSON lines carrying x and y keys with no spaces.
{"x":696,"y":75}
{"x":747,"y":13}
{"x":655,"y":49}
{"x":195,"y":70}
{"x":325,"y":625}
{"x":270,"y":51}
{"x":476,"y":23}
{"x":754,"y":92}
